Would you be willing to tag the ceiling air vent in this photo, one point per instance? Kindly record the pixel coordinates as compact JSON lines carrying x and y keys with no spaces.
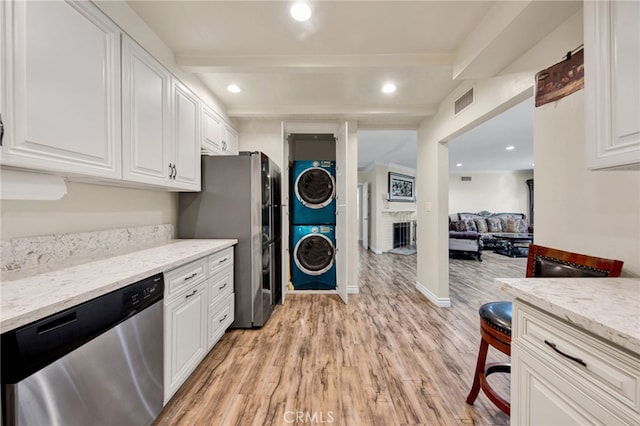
{"x":463,"y":101}
{"x":465,"y":178}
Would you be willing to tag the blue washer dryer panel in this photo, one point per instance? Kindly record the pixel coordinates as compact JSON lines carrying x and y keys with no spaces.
{"x":313,"y":256}
{"x":313,"y":192}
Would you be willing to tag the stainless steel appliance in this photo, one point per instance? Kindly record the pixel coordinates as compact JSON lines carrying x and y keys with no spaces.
{"x":99,"y":362}
{"x":240,"y":198}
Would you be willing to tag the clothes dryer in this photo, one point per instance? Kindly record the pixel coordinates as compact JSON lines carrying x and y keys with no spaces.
{"x":313,"y":193}
{"x":313,"y":257}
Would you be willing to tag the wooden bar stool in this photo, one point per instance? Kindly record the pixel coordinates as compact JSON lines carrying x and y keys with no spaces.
{"x":495,"y":330}
{"x":495,"y":317}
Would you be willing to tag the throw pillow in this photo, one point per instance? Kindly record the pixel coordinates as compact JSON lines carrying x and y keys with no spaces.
{"x":460,"y":226}
{"x":512,"y":225}
{"x":481,"y":225}
{"x":471,"y":225}
{"x":494,"y":224}
{"x":521,"y":226}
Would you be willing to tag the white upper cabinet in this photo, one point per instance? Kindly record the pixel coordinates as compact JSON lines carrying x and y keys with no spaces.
{"x":211,"y":131}
{"x":60,"y":99}
{"x":187,"y":137}
{"x":160,"y":124}
{"x":218,"y":138}
{"x":612,"y":67}
{"x":230,"y":140}
{"x":146,"y":86}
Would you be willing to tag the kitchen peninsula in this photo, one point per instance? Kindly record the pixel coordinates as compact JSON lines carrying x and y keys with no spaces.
{"x":575,"y":350}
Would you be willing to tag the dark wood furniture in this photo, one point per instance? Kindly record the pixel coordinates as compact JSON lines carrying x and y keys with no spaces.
{"x":513,"y":245}
{"x":495,"y":317}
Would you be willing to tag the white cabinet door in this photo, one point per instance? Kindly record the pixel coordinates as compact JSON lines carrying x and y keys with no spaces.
{"x":61,"y":88}
{"x":145,"y":116}
{"x":230,"y":140}
{"x":185,"y":336}
{"x":211,"y":131}
{"x":612,"y":67}
{"x":187,"y":137}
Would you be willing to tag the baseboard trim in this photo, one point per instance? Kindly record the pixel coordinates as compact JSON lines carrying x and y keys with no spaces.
{"x":375,"y":250}
{"x":440,"y":302}
{"x":353,"y":289}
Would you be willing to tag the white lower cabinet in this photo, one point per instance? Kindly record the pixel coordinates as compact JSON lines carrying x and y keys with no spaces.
{"x":199,"y":307}
{"x":561,"y":375}
{"x":185,"y":336}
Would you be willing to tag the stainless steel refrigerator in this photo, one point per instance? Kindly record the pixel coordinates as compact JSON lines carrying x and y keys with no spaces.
{"x":240,"y":198}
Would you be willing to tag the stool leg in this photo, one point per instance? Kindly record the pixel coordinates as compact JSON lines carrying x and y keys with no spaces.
{"x":482,"y":359}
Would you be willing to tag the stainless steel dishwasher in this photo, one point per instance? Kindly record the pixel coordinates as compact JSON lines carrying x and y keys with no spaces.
{"x":98,"y":363}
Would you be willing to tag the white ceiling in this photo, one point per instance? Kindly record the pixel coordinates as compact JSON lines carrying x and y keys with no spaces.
{"x":334,"y":65}
{"x":481,"y":149}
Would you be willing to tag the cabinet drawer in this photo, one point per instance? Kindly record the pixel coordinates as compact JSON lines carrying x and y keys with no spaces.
{"x":220,"y":285}
{"x":603,"y":371}
{"x":221,"y":318}
{"x":220,"y":260}
{"x":186,"y":275}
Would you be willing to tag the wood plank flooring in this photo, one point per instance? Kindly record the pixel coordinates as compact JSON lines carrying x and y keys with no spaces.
{"x":389,"y":357}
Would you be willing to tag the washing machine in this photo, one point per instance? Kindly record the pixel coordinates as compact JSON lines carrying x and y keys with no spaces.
{"x":313,"y":193}
{"x":313,"y":256}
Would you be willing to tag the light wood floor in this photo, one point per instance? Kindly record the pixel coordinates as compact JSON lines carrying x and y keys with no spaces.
{"x":389,"y":357}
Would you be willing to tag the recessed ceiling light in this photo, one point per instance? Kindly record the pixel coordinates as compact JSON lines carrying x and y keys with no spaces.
{"x":459,"y":165}
{"x":234,"y":88}
{"x":300,"y":11}
{"x":510,"y":148}
{"x":388,"y":88}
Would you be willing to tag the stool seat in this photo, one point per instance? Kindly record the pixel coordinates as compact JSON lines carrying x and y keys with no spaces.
{"x":497,"y":315}
{"x":495,"y":330}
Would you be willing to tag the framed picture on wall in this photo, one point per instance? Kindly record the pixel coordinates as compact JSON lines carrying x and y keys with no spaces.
{"x":401,"y":187}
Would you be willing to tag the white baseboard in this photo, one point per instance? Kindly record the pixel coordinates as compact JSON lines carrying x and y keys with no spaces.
{"x":353,"y":289}
{"x":440,"y":302}
{"x":375,"y":250}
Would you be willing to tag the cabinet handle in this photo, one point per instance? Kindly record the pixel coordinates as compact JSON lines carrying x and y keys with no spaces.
{"x":223,"y":318}
{"x":220,"y":288}
{"x":192,"y":293}
{"x":1,"y":130}
{"x":222,"y":261}
{"x":190,"y":276}
{"x":572,"y":358}
{"x":170,"y":171}
{"x":175,"y":172}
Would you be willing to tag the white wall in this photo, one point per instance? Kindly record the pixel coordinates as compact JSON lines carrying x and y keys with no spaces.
{"x":590,"y":212}
{"x":88,"y":208}
{"x":494,"y":192}
{"x":383,"y":213}
{"x":492,"y":96}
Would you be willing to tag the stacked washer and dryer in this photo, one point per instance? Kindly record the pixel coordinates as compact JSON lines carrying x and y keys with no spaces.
{"x":313,"y":219}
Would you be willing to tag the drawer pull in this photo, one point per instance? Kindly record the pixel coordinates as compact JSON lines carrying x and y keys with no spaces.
{"x":192,"y":293}
{"x":222,"y":260}
{"x":223,"y":318}
{"x":191,"y":276}
{"x":572,"y":358}
{"x":220,"y":288}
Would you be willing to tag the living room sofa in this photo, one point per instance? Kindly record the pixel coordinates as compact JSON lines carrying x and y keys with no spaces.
{"x":486,"y":224}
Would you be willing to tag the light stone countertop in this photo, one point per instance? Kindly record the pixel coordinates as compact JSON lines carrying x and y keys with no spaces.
{"x":28,"y":299}
{"x":606,"y":307}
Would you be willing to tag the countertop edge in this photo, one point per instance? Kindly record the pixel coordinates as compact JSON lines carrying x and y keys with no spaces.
{"x":154,"y":260}
{"x":629,"y":341}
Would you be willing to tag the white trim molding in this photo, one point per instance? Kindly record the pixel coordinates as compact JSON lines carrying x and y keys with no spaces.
{"x":375,"y":250}
{"x":353,"y":289}
{"x":440,"y":302}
